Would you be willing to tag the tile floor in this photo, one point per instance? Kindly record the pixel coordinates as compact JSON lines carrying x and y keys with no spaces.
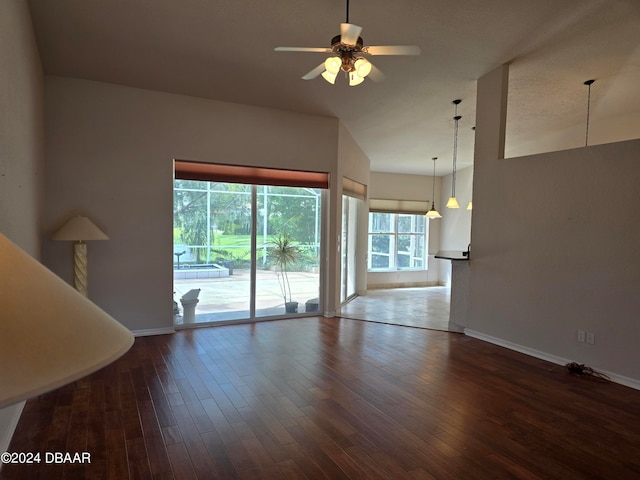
{"x":226,"y":299}
{"x":421,"y":307}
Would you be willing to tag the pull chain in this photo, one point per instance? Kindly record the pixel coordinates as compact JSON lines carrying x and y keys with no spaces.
{"x":588,"y":83}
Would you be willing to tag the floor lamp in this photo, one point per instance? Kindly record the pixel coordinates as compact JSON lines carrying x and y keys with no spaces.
{"x":50,"y":335}
{"x":79,"y":229}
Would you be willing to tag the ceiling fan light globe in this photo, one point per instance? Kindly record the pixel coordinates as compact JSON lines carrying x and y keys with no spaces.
{"x":329,"y":77}
{"x":355,"y":79}
{"x":332,"y":65}
{"x":363,"y":67}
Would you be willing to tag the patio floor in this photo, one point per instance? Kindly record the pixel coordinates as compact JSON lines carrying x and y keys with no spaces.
{"x":227,"y":298}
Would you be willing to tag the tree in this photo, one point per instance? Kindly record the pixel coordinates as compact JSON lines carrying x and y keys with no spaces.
{"x":283,"y":254}
{"x":293,"y":212}
{"x":190,"y":214}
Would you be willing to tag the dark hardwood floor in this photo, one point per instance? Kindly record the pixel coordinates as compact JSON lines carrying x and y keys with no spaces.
{"x":331,"y":398}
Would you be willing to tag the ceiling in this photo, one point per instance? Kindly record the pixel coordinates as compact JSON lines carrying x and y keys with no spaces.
{"x":223,"y":50}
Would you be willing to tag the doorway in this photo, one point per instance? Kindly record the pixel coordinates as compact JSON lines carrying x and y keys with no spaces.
{"x":350,"y":208}
{"x":227,"y":235}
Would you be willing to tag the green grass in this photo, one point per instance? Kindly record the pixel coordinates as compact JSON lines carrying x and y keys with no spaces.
{"x":223,"y":240}
{"x":229,"y":247}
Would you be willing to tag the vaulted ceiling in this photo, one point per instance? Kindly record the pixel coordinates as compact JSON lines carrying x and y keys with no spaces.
{"x":224,"y":50}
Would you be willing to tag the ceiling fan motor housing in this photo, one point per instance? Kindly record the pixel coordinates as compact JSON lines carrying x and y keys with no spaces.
{"x":346,"y":52}
{"x":338,"y":46}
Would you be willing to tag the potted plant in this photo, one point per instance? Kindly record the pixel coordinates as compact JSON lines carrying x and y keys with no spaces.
{"x":283,"y":254}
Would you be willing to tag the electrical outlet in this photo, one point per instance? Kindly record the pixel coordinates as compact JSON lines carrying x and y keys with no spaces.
{"x":591,"y":338}
{"x":581,"y":336}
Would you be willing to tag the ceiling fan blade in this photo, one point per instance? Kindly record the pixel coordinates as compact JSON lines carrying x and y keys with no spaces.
{"x":303,"y":49}
{"x":392,"y":50}
{"x":314,"y":73}
{"x":349,"y":33}
{"x":376,"y":74}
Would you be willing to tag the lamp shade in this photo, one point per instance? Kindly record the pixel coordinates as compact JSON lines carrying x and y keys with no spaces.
{"x":332,"y":65}
{"x":79,"y":228}
{"x":53,"y":341}
{"x":329,"y":77}
{"x":433,"y":213}
{"x":363,"y":67}
{"x":355,"y":79}
{"x":453,"y":203}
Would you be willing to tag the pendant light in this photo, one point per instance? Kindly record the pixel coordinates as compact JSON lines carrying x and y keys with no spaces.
{"x":588,"y":83}
{"x":433,"y":213}
{"x":453,"y":201}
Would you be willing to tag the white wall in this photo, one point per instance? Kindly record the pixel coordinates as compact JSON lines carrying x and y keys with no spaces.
{"x":21,"y":149}
{"x":109,"y":155}
{"x":21,"y":128}
{"x":555,"y":247}
{"x":398,"y":186}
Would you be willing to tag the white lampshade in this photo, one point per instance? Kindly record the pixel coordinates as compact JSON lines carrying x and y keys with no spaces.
{"x":363,"y":67}
{"x":79,"y":228}
{"x":355,"y":79}
{"x":433,"y":213}
{"x":453,"y":203}
{"x":50,"y":335}
{"x":329,"y":77}
{"x":470,"y":206}
{"x":333,"y":64}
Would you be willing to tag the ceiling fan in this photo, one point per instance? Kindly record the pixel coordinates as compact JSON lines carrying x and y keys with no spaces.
{"x":348,"y":55}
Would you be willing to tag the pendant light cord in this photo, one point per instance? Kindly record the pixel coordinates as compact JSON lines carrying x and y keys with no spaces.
{"x":455,"y":154}
{"x":433,"y":186}
{"x":586,"y":139}
{"x":347,"y":11}
{"x":456,"y":118}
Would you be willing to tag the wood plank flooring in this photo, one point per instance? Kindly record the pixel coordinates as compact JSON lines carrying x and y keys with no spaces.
{"x":329,"y":398}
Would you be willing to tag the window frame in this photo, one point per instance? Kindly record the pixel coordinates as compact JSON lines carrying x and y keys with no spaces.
{"x":394,"y":241}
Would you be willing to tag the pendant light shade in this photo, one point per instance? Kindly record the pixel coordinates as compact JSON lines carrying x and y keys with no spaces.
{"x":433,"y":213}
{"x":453,"y":201}
{"x":470,"y":206}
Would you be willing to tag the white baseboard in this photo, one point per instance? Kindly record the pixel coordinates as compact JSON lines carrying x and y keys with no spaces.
{"x":153,"y":331}
{"x":621,"y":379}
{"x":387,"y":286}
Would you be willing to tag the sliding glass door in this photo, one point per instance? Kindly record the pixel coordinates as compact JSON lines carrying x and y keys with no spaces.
{"x":350,"y":207}
{"x":245,"y":251}
{"x":288,"y":250}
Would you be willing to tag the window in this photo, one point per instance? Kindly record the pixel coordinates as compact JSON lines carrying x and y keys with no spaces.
{"x":397,"y":241}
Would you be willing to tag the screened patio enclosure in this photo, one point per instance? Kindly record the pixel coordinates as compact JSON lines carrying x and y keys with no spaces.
{"x":248,"y":251}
